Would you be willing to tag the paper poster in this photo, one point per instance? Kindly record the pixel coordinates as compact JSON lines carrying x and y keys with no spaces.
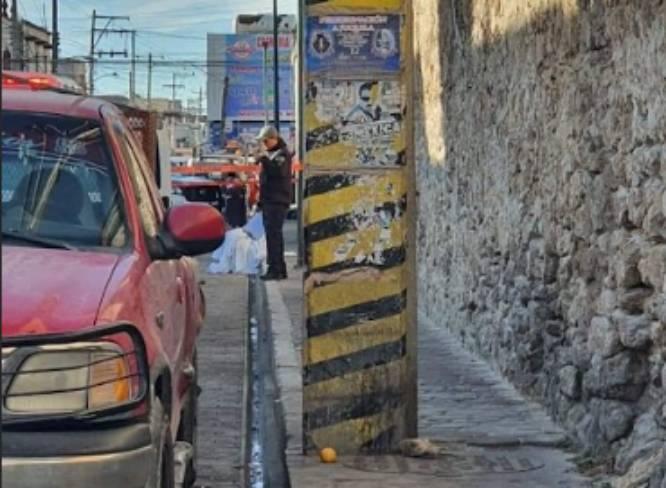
{"x":355,"y":123}
{"x":342,"y":44}
{"x":355,"y":4}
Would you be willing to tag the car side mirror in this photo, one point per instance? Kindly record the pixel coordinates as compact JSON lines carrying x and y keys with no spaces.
{"x":191,"y":229}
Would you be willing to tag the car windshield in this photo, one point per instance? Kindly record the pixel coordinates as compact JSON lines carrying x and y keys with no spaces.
{"x":59,"y":185}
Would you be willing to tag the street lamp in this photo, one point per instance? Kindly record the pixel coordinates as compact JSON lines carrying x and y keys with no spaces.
{"x":276,"y":66}
{"x":108,"y":75}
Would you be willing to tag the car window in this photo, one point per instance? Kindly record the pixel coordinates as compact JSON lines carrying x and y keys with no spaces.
{"x":59,"y":181}
{"x":148,"y":177}
{"x":149,"y":217}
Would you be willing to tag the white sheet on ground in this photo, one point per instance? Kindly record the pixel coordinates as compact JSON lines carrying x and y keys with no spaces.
{"x":241,"y":251}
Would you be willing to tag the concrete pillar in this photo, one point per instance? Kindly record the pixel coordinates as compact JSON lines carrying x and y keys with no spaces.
{"x":359,"y":216}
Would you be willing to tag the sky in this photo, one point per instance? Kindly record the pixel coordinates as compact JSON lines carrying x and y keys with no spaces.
{"x":169,"y":29}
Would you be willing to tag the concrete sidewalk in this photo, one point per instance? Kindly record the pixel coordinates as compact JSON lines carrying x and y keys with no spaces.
{"x":490,"y":435}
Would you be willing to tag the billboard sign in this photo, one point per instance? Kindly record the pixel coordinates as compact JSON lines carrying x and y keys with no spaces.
{"x":248,"y":65}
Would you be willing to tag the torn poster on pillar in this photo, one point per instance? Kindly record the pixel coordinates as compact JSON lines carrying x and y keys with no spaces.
{"x":344,"y":44}
{"x":355,"y":222}
{"x":353,"y":124}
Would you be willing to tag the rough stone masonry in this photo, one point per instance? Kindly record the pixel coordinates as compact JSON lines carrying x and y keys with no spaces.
{"x":541,"y":148}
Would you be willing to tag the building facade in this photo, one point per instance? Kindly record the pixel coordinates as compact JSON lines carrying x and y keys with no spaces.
{"x":37,"y":48}
{"x":33,"y":53}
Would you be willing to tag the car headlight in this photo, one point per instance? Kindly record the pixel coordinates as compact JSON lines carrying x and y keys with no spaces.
{"x":70,"y":378}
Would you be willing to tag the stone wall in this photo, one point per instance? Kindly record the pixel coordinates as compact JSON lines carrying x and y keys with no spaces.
{"x":541,"y":147}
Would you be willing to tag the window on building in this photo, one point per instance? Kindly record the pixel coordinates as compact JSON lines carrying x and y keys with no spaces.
{"x":6,"y":59}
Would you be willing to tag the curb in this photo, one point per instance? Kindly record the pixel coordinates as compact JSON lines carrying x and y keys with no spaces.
{"x":247,"y":396}
{"x":288,"y":372}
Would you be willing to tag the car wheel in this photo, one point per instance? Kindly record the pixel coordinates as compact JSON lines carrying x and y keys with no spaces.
{"x":188,"y":424}
{"x":165,"y":469}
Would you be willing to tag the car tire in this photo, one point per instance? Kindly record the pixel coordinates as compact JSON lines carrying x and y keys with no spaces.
{"x":188,"y":424}
{"x":166,"y":475}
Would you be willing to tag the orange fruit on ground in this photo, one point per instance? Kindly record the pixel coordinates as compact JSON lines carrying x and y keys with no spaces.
{"x":328,"y":455}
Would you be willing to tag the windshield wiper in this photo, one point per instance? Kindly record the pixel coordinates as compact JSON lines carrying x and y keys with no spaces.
{"x":35,"y":239}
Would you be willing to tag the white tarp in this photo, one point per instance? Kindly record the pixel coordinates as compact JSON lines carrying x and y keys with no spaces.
{"x":243,"y":250}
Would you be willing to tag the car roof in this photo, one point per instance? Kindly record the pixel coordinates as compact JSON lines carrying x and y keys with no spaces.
{"x":51,"y":102}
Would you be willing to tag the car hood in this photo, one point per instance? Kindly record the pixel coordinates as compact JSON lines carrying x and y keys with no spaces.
{"x":48,"y":291}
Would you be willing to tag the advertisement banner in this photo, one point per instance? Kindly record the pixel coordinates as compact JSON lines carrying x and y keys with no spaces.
{"x":245,"y":133}
{"x":248,"y":66}
{"x":355,"y":124}
{"x":344,"y":43}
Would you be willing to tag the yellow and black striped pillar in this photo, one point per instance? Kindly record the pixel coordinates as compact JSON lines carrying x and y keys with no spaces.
{"x":359,"y":373}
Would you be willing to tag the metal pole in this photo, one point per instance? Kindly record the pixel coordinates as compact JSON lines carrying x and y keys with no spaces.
{"x":17,"y":42}
{"x":92,"y":53}
{"x":133,"y":68}
{"x":200,"y":109}
{"x":173,"y":92}
{"x":223,"y":109}
{"x":56,"y":35}
{"x":276,"y":67}
{"x":301,"y":131}
{"x":150,"y":79}
{"x":173,"y":110}
{"x":265,"y":83}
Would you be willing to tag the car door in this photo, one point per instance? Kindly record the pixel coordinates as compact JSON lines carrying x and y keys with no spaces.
{"x":164,"y":296}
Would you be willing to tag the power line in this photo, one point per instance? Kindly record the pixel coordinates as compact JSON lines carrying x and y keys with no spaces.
{"x":93,"y":43}
{"x":167,"y":62}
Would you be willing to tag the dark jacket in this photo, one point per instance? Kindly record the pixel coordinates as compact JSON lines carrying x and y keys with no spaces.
{"x":276,"y":176}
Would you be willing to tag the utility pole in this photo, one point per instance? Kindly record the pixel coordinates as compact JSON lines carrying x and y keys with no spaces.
{"x":276,"y":66}
{"x":223,"y":110}
{"x":17,"y":31}
{"x":265,"y":83}
{"x":173,"y":87}
{"x":91,"y":81}
{"x":200,"y":110}
{"x":133,"y":67}
{"x":150,"y":79}
{"x":56,"y":36}
{"x":300,"y":135}
{"x":93,"y":41}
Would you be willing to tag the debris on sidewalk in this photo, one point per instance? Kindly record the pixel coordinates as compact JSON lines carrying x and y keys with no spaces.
{"x":419,"y":448}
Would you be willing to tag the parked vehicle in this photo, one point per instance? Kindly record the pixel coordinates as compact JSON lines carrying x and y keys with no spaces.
{"x":101,"y":305}
{"x":198,"y":189}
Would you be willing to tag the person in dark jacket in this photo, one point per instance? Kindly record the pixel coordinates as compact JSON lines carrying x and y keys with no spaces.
{"x":275,"y":198}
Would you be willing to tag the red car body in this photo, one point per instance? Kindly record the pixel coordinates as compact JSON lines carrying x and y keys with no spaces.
{"x":56,"y":291}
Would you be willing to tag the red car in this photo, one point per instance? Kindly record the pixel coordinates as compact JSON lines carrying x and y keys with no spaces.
{"x":101,"y":305}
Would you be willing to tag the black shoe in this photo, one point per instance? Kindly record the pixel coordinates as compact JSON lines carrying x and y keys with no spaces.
{"x":272,"y":276}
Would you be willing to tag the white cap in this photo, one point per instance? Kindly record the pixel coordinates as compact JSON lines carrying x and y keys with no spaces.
{"x":268,"y":132}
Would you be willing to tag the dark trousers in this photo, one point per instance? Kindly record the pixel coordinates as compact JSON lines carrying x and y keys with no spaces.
{"x":274,"y":215}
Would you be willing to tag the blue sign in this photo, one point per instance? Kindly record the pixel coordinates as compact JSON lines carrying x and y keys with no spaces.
{"x":353,"y":43}
{"x":245,"y":132}
{"x":215,"y":135}
{"x":248,"y":66}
